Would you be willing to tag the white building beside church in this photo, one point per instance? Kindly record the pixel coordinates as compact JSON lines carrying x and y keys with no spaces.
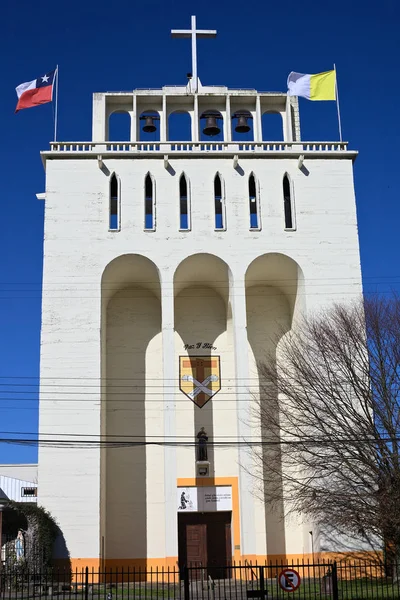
{"x":168,"y":268}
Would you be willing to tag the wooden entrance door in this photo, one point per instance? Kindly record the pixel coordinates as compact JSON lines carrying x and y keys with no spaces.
{"x":205,"y":541}
{"x":196,"y":548}
{"x":219,"y":545}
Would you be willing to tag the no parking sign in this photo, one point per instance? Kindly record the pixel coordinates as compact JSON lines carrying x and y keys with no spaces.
{"x":289,"y":580}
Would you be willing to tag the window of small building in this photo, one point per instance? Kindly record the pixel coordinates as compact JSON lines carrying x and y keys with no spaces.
{"x":29,"y":492}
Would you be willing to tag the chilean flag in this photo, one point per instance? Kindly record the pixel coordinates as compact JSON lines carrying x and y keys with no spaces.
{"x":38,"y":91}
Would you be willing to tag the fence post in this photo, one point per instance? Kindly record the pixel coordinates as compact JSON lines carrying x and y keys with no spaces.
{"x":262,"y":583}
{"x":86,"y":583}
{"x":335,"y":589}
{"x":186,"y":589}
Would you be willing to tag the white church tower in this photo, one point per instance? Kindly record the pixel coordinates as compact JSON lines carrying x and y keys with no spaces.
{"x":169,"y":266}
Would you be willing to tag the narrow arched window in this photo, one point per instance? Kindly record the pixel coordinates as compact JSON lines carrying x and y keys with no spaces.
{"x":255,"y":221}
{"x":114,"y":222}
{"x":149,"y":203}
{"x":184,"y":204}
{"x":288,"y":202}
{"x":219,"y":203}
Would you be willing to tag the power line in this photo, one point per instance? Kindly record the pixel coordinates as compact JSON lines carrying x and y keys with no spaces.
{"x":185,"y":281}
{"x":296,"y":294}
{"x":222,"y":283}
{"x":80,"y":378}
{"x":128,"y":293}
{"x":178,"y":398}
{"x":106,"y":386}
{"x":116,"y":435}
{"x":148,"y":397}
{"x":85,"y":443}
{"x":286,"y":440}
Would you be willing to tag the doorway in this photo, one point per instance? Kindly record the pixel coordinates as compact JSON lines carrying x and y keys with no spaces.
{"x":205,"y":542}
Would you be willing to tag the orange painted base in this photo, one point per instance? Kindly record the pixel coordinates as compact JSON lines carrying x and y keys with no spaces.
{"x":157,"y":568}
{"x":96,"y":564}
{"x":162,"y":565}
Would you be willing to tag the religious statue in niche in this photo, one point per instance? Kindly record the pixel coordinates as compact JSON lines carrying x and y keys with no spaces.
{"x":20,"y":545}
{"x":202,"y":438}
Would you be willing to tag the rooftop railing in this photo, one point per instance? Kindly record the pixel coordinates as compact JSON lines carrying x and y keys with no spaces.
{"x":197,"y":147}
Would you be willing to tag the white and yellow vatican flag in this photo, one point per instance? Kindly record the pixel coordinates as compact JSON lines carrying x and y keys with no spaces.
{"x":321,"y":86}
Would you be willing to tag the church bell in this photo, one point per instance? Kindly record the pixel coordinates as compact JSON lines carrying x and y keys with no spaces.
{"x":211,"y":127}
{"x":242,"y":125}
{"x":149,"y":126}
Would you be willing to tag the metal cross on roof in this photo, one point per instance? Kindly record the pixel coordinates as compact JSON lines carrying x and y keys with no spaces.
{"x":194,"y":34}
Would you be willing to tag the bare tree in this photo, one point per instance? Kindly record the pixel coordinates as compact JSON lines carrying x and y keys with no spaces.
{"x":330,"y":416}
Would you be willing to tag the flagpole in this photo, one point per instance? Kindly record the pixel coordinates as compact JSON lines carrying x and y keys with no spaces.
{"x":56,"y":105}
{"x":337,"y":105}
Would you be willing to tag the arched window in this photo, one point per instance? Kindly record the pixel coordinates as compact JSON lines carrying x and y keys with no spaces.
{"x":149,"y":204}
{"x":255,"y":221}
{"x":149,"y":126}
{"x":211,"y":126}
{"x":179,"y":126}
{"x":272,"y":126}
{"x":219,"y":203}
{"x":114,"y":222}
{"x":288,"y":202}
{"x":184,"y":204}
{"x":119,"y":126}
{"x":242,"y":126}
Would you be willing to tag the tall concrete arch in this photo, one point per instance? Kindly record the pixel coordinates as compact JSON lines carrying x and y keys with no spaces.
{"x":273,"y":282}
{"x":130,"y":406}
{"x":203,"y":328}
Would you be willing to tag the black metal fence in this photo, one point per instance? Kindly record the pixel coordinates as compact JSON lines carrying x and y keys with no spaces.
{"x":306,"y":581}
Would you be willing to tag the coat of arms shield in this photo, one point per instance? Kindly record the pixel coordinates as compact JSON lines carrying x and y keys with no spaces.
{"x":199,"y":377}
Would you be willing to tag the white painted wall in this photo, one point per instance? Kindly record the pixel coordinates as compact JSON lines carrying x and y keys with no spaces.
{"x":28,"y":472}
{"x":78,"y":247}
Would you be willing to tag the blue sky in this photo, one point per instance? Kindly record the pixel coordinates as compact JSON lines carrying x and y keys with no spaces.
{"x":104,"y":46}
